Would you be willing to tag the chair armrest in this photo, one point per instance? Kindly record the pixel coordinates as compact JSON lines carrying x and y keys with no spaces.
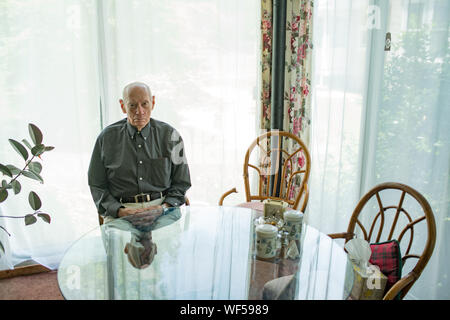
{"x":406,"y":281}
{"x":343,"y":235}
{"x":226,"y":194}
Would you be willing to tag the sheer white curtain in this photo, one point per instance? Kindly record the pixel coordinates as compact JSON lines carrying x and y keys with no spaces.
{"x":63,"y":66}
{"x":382,"y":115}
{"x":200,"y":58}
{"x":338,"y":98}
{"x":49,"y":77}
{"x":411,"y":129}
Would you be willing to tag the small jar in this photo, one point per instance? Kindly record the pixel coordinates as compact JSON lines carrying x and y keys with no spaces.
{"x":293,"y":224}
{"x":266,"y":241}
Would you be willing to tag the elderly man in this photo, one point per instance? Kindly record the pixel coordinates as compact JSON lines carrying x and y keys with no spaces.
{"x":138,"y":163}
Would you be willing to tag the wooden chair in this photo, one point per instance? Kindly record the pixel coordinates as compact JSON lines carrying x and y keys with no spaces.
{"x":379,"y":218}
{"x":282,"y":175}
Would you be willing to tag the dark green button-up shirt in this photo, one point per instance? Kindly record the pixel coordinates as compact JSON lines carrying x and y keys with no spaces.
{"x":126,"y":162}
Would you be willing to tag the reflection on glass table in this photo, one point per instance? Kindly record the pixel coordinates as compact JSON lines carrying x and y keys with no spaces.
{"x":200,"y":253}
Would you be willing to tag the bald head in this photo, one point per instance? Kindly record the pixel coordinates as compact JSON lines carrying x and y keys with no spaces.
{"x":130,"y":86}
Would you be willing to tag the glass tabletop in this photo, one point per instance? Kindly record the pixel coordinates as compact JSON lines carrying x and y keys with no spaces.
{"x":199,"y":253}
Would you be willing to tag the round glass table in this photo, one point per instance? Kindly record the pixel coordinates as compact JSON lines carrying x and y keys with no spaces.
{"x":200,"y":253}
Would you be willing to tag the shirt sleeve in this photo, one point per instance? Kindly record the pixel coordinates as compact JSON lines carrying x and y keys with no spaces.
{"x":106,"y":204}
{"x":180,"y":175}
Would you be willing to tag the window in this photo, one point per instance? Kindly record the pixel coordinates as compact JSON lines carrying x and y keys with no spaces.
{"x":63,"y":66}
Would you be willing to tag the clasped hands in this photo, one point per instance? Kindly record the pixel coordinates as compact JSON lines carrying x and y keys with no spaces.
{"x":139,"y":216}
{"x":130,"y":211}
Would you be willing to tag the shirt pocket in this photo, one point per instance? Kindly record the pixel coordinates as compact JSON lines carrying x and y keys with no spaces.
{"x":158,"y":171}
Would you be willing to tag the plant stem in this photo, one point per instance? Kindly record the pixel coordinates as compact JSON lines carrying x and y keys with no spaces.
{"x":27,"y":162}
{"x":13,"y":217}
{"x":26,"y":165}
{"x":9,"y":234}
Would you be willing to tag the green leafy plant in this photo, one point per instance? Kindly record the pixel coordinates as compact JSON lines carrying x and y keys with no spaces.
{"x":32,"y":170}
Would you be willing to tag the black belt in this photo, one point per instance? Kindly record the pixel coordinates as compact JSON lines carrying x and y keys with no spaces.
{"x":143,"y":197}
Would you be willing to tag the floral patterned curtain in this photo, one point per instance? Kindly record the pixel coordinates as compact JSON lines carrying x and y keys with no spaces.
{"x":297,"y":102}
{"x":266,"y":62}
{"x":297,"y":82}
{"x":297,"y":68}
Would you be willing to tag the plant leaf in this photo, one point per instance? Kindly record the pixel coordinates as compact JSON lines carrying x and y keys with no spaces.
{"x":25,"y":142}
{"x":5,"y":170}
{"x":30,"y":219}
{"x":19,"y":148}
{"x":35,"y":134}
{"x":14,"y":170}
{"x":3,"y":194}
{"x":34,"y":201}
{"x":38,"y":150}
{"x":45,"y":217}
{"x":34,"y":166}
{"x":32,"y":175}
{"x":6,"y":185}
{"x":16,"y":186}
{"x":49,"y":148}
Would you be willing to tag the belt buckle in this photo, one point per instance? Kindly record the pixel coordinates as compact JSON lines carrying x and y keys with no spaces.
{"x":139,"y":195}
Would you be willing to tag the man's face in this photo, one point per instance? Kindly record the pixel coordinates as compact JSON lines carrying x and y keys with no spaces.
{"x":138,"y":106}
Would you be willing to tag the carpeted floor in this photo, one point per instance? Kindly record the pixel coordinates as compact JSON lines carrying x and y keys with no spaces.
{"x":41,"y":286}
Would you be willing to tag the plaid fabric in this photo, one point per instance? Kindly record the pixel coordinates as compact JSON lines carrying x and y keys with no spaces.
{"x":388,"y":258}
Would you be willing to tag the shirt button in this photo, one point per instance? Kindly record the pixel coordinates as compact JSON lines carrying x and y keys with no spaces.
{"x":145,"y":138}
{"x":140,"y":178}
{"x":140,"y":162}
{"x":139,"y":146}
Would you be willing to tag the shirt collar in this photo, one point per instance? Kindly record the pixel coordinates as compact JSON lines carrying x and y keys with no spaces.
{"x":132,"y":130}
